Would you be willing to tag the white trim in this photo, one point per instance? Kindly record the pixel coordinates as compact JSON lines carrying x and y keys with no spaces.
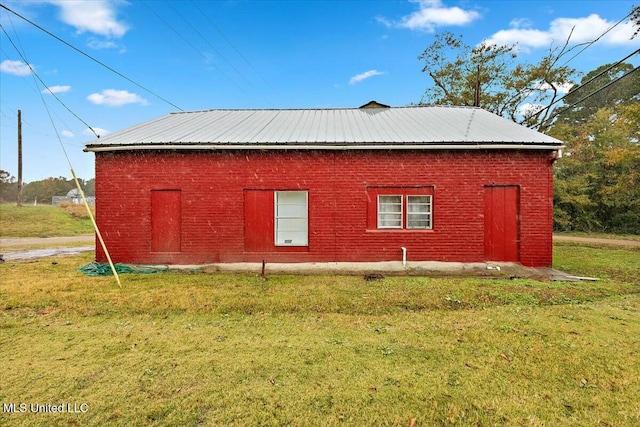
{"x":448,"y":146}
{"x":429,"y":213}
{"x":390,"y":227}
{"x":276,"y":218}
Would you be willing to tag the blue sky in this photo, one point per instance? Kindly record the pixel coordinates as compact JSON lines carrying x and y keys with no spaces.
{"x":196,"y":55}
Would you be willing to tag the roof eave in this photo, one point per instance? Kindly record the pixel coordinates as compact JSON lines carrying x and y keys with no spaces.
{"x":445,"y":146}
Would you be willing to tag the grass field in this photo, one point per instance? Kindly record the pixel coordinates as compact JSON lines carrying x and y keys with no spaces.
{"x":235,"y":349}
{"x":43,"y":221}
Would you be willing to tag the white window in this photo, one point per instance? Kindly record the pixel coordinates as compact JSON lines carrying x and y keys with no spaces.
{"x":291,"y":218}
{"x":419,"y":212}
{"x":405,"y":212}
{"x":389,"y":211}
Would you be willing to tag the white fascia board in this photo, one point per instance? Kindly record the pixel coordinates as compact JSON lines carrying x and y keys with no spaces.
{"x":483,"y":146}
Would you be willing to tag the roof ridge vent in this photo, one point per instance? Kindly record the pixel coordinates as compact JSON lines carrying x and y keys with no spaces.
{"x":373,"y":104}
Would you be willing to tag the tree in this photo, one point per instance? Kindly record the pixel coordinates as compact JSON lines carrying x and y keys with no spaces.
{"x":514,"y":91}
{"x":8,"y":187}
{"x":44,"y":190}
{"x":597,"y":185}
{"x":635,"y":19}
{"x":609,"y":85}
{"x":89,"y":187}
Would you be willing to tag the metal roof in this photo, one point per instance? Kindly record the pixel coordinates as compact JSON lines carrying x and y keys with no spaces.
{"x":349,"y":128}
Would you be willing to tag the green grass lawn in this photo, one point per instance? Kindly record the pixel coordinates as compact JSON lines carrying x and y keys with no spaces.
{"x":191,"y":348}
{"x":41,"y":221}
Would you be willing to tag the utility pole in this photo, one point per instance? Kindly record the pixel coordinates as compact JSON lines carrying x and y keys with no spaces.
{"x":476,"y":98}
{"x":19,"y":158}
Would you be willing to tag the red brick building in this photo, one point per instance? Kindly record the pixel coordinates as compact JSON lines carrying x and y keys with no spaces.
{"x":327,"y":185}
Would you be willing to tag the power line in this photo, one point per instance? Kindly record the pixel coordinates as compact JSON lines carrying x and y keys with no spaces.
{"x":176,"y":12}
{"x":190,"y":44}
{"x":589,"y":44}
{"x":64,"y":150}
{"x":586,"y":83}
{"x":584,"y":98}
{"x":33,"y":73}
{"x":14,"y":112}
{"x":91,"y":57}
{"x":36,"y":89}
{"x":215,"y":27}
{"x":36,"y":129}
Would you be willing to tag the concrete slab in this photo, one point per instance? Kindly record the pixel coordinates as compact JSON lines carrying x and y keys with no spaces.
{"x":422,"y":268}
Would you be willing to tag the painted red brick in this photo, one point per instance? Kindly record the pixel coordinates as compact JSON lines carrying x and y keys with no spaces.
{"x":213,"y":185}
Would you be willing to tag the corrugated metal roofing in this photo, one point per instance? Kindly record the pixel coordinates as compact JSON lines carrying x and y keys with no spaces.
{"x":424,"y":126}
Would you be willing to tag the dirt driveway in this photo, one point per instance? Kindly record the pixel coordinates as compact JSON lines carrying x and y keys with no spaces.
{"x":25,"y":241}
{"x":620,"y":242}
{"x":10,"y":248}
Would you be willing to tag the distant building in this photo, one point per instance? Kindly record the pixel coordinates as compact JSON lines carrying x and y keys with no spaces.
{"x":73,"y":196}
{"x":370,"y":184}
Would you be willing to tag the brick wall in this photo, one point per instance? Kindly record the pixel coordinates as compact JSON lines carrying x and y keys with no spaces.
{"x":212,"y":185}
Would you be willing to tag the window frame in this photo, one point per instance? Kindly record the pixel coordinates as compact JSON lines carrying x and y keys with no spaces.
{"x":276,"y":217}
{"x":406,"y":193}
{"x":379,"y":212}
{"x":428,"y":213}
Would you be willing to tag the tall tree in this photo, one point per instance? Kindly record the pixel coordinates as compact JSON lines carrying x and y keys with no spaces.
{"x":597,"y":186}
{"x":512,"y":90}
{"x":609,"y":85}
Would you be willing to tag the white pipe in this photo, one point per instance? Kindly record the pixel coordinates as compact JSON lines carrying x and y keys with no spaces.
{"x":404,"y":256}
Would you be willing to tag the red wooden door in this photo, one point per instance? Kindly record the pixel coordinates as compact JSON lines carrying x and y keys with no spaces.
{"x":501,"y":223}
{"x":166,"y":220}
{"x":258,"y":220}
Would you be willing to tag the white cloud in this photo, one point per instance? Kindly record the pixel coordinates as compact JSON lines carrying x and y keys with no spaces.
{"x":529,"y":109}
{"x":520,"y":23}
{"x":67,"y":134}
{"x":561,"y":88}
{"x":116,"y":98}
{"x":97,"y":16}
{"x":57,"y":89}
{"x":363,"y":76}
{"x":524,"y":38}
{"x":432,"y":14}
{"x":582,"y":30}
{"x":99,"y":131}
{"x":96,"y":44}
{"x":17,"y":68}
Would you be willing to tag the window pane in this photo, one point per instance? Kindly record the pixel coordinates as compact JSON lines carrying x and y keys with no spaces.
{"x":389,"y":223}
{"x":390,"y":208}
{"x":389,"y":211}
{"x":291,"y":197}
{"x":419,"y":199}
{"x":419,"y":212}
{"x":390,"y":199}
{"x":292,"y":224}
{"x":291,"y":218}
{"x":292,"y":210}
{"x":419,"y":223}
